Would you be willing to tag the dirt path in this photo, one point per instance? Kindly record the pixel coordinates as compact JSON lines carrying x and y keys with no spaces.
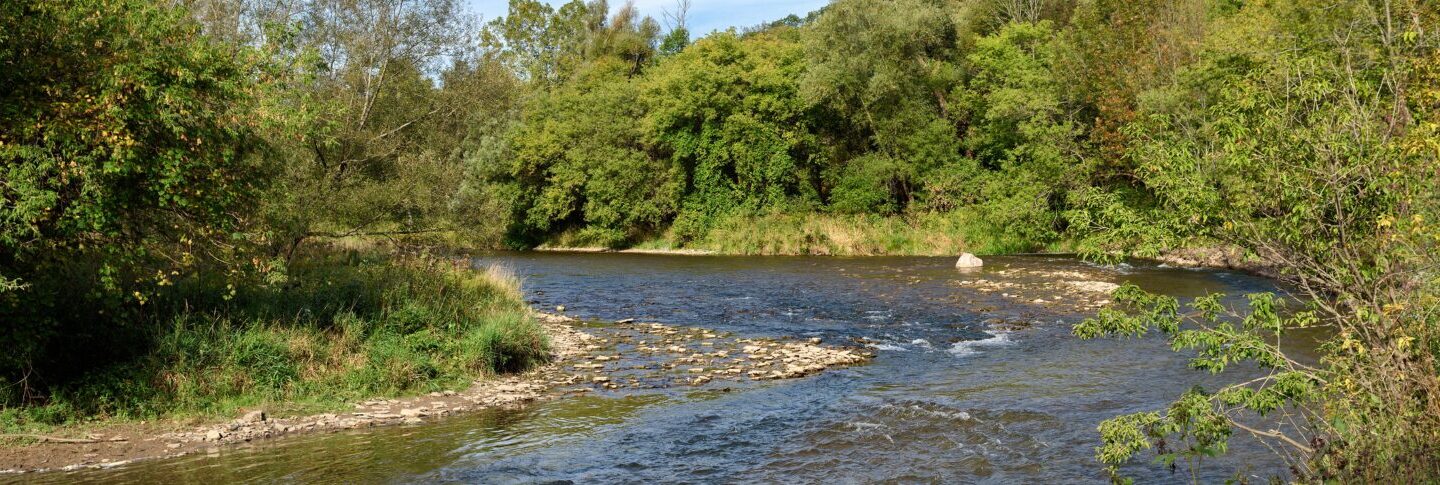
{"x":588,"y":357}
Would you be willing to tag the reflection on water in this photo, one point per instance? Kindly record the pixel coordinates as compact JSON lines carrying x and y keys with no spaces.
{"x":947,"y":398}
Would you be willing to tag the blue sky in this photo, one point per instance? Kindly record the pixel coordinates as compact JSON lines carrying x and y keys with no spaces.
{"x":705,"y":15}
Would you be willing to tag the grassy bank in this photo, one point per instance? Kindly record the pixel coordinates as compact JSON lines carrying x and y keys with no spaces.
{"x":338,"y":329}
{"x":930,"y":234}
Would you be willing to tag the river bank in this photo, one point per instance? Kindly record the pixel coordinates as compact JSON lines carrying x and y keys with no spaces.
{"x":587,"y":357}
{"x":1210,"y":257}
{"x":598,"y":249}
{"x":976,"y":378}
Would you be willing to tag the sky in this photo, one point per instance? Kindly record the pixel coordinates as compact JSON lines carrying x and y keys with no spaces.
{"x":705,"y":15}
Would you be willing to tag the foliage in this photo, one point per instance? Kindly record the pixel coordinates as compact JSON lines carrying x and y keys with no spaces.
{"x":866,"y":108}
{"x":127,"y":141}
{"x":1292,"y":150}
{"x":1200,"y":422}
{"x":210,"y":143}
{"x":353,"y":327}
{"x":574,"y":166}
{"x":727,"y":113}
{"x":884,"y":72}
{"x":153,"y":146}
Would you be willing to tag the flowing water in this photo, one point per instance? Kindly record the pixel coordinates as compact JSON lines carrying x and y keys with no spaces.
{"x":950,"y":397}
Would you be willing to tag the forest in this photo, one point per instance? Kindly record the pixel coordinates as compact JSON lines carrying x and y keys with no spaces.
{"x":197,"y":188}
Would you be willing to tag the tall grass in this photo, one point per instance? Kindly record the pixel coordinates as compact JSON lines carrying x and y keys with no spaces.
{"x":932,"y":234}
{"x":340,"y":329}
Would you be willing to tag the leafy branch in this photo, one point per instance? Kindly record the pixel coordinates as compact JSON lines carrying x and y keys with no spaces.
{"x":1200,"y":421}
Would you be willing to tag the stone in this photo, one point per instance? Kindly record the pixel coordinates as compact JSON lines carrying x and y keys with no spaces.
{"x":253,"y":417}
{"x":968,"y":260}
{"x":410,"y":413}
{"x":560,"y":308}
{"x":601,"y":379}
{"x":214,"y":435}
{"x":1094,"y":286}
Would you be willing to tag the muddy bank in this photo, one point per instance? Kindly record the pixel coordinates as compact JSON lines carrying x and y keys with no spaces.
{"x":588,"y":357}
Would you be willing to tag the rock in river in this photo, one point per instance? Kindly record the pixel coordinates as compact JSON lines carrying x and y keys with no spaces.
{"x":968,"y":260}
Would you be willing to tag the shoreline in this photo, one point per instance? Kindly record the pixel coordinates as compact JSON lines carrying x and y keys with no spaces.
{"x":596,"y":249}
{"x":585,"y":359}
{"x":1203,"y":257}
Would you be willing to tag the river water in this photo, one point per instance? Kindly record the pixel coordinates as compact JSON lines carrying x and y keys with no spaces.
{"x":967,"y":386}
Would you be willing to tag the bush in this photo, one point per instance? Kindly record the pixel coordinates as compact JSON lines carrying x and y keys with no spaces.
{"x":338,"y":331}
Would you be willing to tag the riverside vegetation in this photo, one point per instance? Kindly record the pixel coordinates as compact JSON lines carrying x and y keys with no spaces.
{"x":178,"y":174}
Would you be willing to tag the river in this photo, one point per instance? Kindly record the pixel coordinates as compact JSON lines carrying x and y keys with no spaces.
{"x":967,"y":386}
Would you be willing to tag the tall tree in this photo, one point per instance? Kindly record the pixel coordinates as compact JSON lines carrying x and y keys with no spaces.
{"x":126,"y":160}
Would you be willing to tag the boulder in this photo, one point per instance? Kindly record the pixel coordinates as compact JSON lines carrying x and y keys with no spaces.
{"x":253,"y":417}
{"x":968,"y":260}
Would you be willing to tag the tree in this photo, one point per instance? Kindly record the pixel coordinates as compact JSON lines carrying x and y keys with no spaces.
{"x":679,"y":36}
{"x":575,"y":170}
{"x":128,"y":142}
{"x":728,"y":112}
{"x":885,"y":69}
{"x":1027,"y":152}
{"x":1293,"y":148}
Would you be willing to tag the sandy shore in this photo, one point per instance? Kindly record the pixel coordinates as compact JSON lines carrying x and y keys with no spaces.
{"x":587,"y":357}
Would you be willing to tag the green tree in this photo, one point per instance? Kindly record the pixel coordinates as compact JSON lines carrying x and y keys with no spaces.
{"x":576,"y":169}
{"x":1292,"y":147}
{"x":727,"y":111}
{"x":127,"y":140}
{"x":885,"y":70}
{"x":1019,"y":132}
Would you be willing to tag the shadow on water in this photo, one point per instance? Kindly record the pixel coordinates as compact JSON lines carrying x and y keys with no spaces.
{"x":947,"y":399}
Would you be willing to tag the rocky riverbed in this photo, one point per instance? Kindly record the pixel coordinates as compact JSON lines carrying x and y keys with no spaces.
{"x":1067,"y":290}
{"x":588,"y":357}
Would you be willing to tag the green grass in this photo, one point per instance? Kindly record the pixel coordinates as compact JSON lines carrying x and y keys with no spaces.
{"x":338,"y":330}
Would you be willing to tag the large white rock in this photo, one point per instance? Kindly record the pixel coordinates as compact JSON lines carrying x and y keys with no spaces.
{"x":968,"y":260}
